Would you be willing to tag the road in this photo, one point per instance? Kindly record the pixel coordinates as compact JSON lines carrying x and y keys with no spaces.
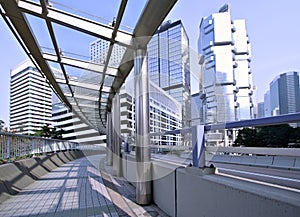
{"x":282,"y":177}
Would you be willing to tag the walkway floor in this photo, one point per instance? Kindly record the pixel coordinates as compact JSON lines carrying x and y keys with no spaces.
{"x":78,"y":188}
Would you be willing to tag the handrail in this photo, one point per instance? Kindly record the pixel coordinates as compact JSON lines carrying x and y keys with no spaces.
{"x":198,"y":141}
{"x":16,"y":145}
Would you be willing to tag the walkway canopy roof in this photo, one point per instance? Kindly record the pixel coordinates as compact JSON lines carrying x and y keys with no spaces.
{"x":53,"y":36}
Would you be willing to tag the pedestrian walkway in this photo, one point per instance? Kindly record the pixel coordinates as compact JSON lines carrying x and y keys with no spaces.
{"x":80,"y":189}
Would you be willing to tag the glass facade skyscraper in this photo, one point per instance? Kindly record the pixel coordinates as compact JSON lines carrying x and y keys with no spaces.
{"x":169,"y":64}
{"x":285,"y":94}
{"x":226,"y":83}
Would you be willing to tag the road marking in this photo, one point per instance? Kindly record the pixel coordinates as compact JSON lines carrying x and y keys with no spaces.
{"x":262,"y":175}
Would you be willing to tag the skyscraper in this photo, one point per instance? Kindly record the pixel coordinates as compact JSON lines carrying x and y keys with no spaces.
{"x":169,"y":64}
{"x":165,"y":114}
{"x":73,"y":128}
{"x":285,"y":94}
{"x":98,"y":52}
{"x":226,"y":88}
{"x":30,"y":99}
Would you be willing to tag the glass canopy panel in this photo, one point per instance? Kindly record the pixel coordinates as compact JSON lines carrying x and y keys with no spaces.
{"x":90,"y":78}
{"x":85,"y":92}
{"x":103,"y":15}
{"x":116,"y":55}
{"x":108,"y":81}
{"x":56,"y":70}
{"x":65,"y":88}
{"x":132,"y":13}
{"x":76,"y":45}
{"x":83,"y":76}
{"x":41,"y":33}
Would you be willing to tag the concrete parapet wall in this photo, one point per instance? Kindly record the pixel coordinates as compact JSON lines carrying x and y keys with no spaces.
{"x":129,"y":166}
{"x":14,"y":177}
{"x":191,"y":192}
{"x":215,"y":195}
{"x":164,"y":182}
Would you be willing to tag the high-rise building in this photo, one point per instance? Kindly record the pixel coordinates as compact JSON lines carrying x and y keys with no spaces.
{"x":267,"y":104}
{"x":260,"y":110}
{"x":285,"y":94}
{"x":226,"y":88}
{"x":165,"y":114}
{"x":98,"y":52}
{"x":30,"y":99}
{"x":169,"y":64}
{"x":73,"y":129}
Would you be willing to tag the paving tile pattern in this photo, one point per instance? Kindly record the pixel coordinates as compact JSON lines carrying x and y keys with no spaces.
{"x":77,"y":189}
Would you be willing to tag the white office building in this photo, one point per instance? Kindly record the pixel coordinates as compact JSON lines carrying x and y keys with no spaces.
{"x":226,"y":76}
{"x":165,"y":114}
{"x":30,"y":99}
{"x":73,"y":128}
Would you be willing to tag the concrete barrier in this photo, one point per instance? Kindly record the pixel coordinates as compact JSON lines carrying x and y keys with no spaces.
{"x":283,"y":162}
{"x":264,"y":160}
{"x":62,"y":156}
{"x":47,"y":162}
{"x":164,"y":182}
{"x":131,"y":166}
{"x":4,"y":193}
{"x":54,"y":158}
{"x":297,"y":163}
{"x":214,"y":195}
{"x":248,"y":160}
{"x":69,"y":155}
{"x":34,"y":167}
{"x":14,"y":178}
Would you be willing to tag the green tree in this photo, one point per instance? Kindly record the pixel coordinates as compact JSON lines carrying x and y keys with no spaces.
{"x":274,"y":136}
{"x":246,"y":137}
{"x":267,"y":136}
{"x":49,"y":132}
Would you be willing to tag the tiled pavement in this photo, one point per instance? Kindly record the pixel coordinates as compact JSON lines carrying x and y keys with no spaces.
{"x":80,"y":189}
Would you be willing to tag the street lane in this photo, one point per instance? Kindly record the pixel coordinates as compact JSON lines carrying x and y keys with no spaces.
{"x":282,"y":177}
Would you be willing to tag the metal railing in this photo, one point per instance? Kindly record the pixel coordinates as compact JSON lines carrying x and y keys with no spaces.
{"x":16,"y":145}
{"x":199,"y":149}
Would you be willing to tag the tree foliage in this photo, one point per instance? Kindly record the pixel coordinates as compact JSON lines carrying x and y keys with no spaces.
{"x":49,"y":132}
{"x":268,"y":136}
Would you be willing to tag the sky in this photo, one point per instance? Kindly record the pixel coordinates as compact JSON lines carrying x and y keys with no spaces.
{"x":272,"y":26}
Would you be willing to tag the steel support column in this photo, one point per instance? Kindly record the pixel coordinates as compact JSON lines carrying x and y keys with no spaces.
{"x":198,"y":143}
{"x":109,"y":155}
{"x":142,"y":129}
{"x":116,"y":137}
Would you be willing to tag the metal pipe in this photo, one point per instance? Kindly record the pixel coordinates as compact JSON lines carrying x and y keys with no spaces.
{"x":109,"y":155}
{"x":198,"y":143}
{"x":116,"y":129}
{"x":143,"y":156}
{"x":8,"y":148}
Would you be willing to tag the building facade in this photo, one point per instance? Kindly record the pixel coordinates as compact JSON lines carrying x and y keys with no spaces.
{"x":169,"y":64}
{"x":285,"y":94}
{"x":98,"y":52}
{"x":30,"y":99}
{"x":226,"y":84}
{"x":72,"y":127}
{"x":165,"y":114}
